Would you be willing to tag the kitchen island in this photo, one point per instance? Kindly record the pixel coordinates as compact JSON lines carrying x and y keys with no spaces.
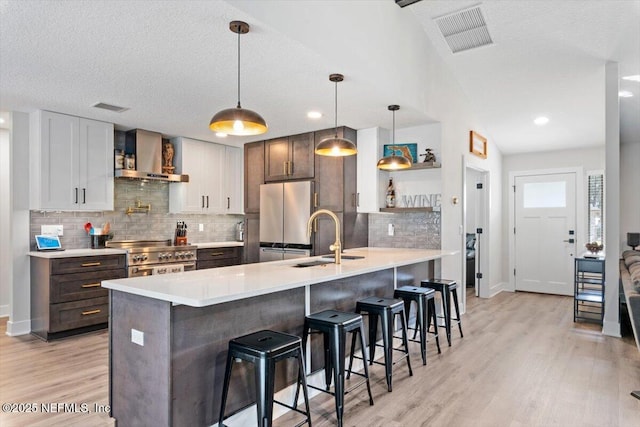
{"x":169,"y":333}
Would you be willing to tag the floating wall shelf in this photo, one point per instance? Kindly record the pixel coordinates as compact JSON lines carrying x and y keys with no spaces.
{"x":404,"y":210}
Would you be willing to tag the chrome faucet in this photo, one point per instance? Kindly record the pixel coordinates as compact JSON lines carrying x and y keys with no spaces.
{"x":336,"y":247}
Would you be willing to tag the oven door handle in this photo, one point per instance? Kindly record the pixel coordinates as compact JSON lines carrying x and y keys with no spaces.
{"x":187,"y":265}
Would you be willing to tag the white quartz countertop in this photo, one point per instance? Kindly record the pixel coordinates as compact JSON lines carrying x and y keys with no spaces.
{"x":69,"y":253}
{"x":208,"y":245}
{"x":202,"y":288}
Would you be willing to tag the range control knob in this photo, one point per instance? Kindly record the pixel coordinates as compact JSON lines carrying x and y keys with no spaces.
{"x":189,"y":254}
{"x":144,"y":257}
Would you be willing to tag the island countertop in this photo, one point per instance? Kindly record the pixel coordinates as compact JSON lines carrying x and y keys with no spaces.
{"x":202,"y":288}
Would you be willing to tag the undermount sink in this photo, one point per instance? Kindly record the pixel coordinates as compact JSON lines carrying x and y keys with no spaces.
{"x":312,"y":263}
{"x":344,"y":256}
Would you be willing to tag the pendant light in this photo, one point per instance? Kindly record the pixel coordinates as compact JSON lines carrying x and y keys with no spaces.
{"x":394,"y":162}
{"x":238,"y":120}
{"x":335,"y":146}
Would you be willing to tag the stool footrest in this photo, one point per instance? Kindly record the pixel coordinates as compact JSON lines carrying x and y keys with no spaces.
{"x":347,"y":390}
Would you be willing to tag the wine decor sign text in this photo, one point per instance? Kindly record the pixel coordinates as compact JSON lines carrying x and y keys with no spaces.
{"x":421,"y":200}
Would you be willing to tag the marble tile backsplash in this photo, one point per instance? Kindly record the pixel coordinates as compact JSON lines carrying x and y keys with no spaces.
{"x":155,"y":225}
{"x":420,"y":230}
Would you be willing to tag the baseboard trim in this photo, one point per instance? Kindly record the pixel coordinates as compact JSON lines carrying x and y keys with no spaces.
{"x":15,"y":329}
{"x":611,"y":329}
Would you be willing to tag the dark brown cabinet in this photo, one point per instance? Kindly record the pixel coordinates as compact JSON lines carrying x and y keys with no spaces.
{"x":253,"y":175}
{"x":289,"y":157}
{"x":335,"y":189}
{"x":251,"y":238}
{"x":66,"y":296}
{"x":219,"y":257}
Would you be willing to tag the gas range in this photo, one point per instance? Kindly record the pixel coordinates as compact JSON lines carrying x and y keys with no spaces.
{"x":148,"y":257}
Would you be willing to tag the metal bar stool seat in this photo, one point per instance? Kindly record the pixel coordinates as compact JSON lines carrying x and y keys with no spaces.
{"x":334,"y":326}
{"x":447,"y":289}
{"x":424,"y":299}
{"x":264,"y":349}
{"x":386,"y":309}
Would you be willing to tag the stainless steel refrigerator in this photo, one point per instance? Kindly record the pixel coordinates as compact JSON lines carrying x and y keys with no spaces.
{"x":285,"y":208}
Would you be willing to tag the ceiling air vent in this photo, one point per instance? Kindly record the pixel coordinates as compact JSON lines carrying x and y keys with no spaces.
{"x":110,"y":107}
{"x":465,"y":29}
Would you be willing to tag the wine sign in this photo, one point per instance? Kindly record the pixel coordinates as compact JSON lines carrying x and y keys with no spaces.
{"x":421,"y":200}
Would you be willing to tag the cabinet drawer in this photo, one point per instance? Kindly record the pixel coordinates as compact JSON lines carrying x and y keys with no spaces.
{"x":76,"y":314}
{"x":87,"y":263}
{"x":77,"y":286}
{"x":218,"y":263}
{"x":210,"y":254}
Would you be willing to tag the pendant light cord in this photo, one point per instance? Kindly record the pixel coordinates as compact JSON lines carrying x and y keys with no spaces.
{"x":336,"y":112}
{"x":239,"y":67}
{"x":394,"y":130}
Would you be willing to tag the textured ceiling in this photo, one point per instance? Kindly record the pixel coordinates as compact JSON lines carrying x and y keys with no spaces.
{"x":173,"y":64}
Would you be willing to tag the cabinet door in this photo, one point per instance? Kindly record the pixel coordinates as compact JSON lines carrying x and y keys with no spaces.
{"x":329,"y":176}
{"x":253,"y":175}
{"x":192,"y":197}
{"x":251,"y":238}
{"x":233,"y":177}
{"x":95,"y":185}
{"x":301,"y":156}
{"x":212,"y":184}
{"x":58,"y":162}
{"x":276,"y":159}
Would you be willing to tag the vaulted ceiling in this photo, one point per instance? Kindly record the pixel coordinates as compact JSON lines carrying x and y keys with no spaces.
{"x":173,"y":64}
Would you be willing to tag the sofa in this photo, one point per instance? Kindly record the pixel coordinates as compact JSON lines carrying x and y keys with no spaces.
{"x":630,"y":283}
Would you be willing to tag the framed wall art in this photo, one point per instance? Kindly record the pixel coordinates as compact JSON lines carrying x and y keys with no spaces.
{"x":477,"y":144}
{"x":410,"y":151}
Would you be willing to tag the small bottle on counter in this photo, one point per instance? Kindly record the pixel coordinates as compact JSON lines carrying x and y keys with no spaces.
{"x":391,"y":195}
{"x":130,"y":161}
{"x":119,"y":159}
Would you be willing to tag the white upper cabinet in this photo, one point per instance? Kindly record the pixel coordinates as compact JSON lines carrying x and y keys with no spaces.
{"x":204,"y":162}
{"x":233,"y":180}
{"x":370,"y":180}
{"x":71,"y":163}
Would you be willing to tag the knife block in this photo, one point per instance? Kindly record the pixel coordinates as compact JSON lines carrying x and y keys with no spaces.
{"x":180,"y":241}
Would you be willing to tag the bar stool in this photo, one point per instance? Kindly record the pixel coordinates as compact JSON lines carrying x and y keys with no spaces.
{"x":447,"y":289}
{"x":426,"y":311}
{"x":334,"y":326}
{"x":386,"y":309}
{"x":264,"y":349}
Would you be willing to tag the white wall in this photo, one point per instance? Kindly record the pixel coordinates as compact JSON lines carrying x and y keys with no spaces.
{"x":588,"y":159}
{"x":5,"y":223}
{"x":629,"y":191}
{"x":19,"y":311}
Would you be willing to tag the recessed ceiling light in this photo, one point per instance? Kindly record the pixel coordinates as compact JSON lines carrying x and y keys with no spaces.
{"x":541,"y":121}
{"x":625,"y":94}
{"x":634,"y":78}
{"x":221,"y":134}
{"x":314,"y":114}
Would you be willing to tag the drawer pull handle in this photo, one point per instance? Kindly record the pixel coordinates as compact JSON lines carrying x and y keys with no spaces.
{"x":91,"y":285}
{"x":86,"y":313}
{"x":91,"y":264}
{"x":217,"y":253}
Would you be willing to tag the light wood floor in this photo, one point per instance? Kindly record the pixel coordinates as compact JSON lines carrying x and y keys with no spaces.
{"x":522,"y":362}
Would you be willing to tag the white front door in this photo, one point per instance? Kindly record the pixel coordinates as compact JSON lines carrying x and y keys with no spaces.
{"x":545,"y":224}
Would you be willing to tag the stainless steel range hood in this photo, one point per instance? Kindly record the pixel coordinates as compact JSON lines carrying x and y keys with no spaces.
{"x":147,"y":148}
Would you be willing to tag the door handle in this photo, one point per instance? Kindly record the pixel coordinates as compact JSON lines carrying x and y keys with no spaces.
{"x":284,"y":168}
{"x":569,"y":241}
{"x":228,"y":202}
{"x":202,"y":202}
{"x":290,"y":168}
{"x":76,"y":191}
{"x":84,"y":195}
{"x":207,"y":202}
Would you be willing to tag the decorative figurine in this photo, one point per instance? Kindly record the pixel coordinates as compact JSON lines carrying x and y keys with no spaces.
{"x":167,"y":157}
{"x":429,"y":157}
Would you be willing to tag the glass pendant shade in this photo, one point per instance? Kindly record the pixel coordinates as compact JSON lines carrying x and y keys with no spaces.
{"x":238,"y":121}
{"x":336,"y":146}
{"x":394,"y":162}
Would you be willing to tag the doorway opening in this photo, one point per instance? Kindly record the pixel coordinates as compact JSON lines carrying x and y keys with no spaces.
{"x":476,"y":233}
